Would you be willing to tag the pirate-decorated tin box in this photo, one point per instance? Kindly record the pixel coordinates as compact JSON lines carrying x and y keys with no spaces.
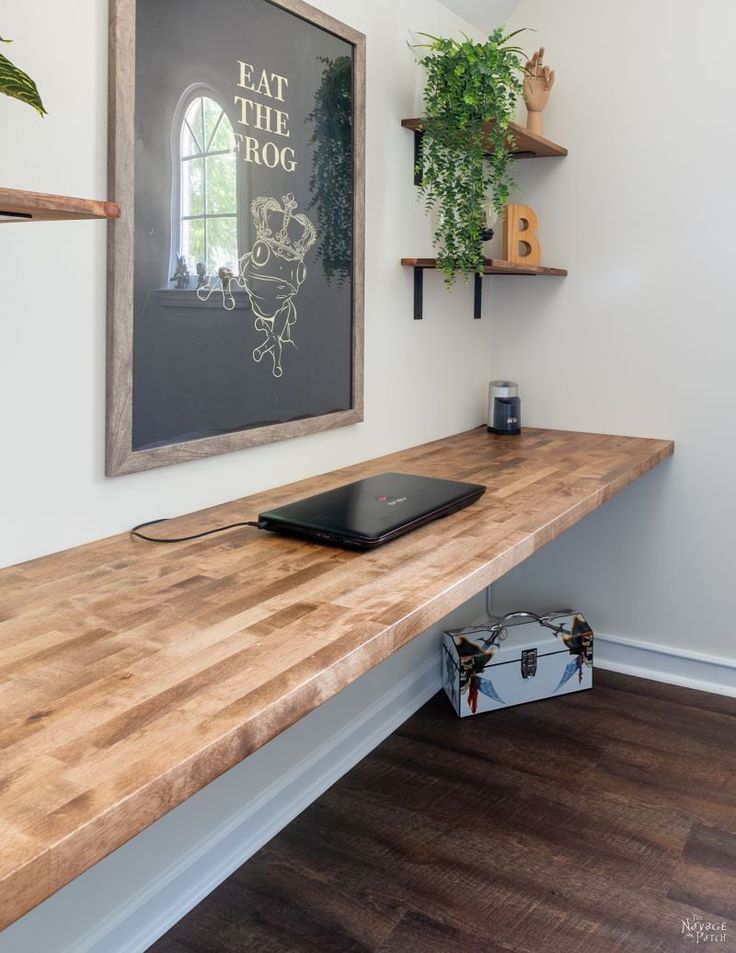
{"x":517,"y":658}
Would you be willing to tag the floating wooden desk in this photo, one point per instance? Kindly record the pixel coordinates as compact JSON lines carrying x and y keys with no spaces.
{"x":134,"y":674}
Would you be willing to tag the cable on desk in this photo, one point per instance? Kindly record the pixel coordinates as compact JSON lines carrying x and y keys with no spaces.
{"x":185,"y":539}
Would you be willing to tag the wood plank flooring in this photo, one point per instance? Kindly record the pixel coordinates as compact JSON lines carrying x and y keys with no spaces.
{"x":593,"y":823}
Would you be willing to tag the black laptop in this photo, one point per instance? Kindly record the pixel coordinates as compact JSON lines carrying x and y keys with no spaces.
{"x":373,"y":511}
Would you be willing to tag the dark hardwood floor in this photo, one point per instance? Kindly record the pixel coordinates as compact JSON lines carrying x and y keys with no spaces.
{"x":593,"y":823}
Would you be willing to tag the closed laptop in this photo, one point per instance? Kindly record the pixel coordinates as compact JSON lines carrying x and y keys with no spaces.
{"x":372,"y":511}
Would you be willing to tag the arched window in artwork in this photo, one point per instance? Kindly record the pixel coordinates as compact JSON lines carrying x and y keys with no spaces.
{"x":208,"y":223}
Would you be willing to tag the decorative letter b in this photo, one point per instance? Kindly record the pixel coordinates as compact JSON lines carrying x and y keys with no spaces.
{"x":520,"y":236}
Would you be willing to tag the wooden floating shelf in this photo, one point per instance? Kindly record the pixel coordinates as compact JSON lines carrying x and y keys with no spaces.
{"x":20,"y":206}
{"x":522,"y":143}
{"x":491,"y":266}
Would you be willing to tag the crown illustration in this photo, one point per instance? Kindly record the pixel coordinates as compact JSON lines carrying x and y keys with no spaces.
{"x":273,"y":226}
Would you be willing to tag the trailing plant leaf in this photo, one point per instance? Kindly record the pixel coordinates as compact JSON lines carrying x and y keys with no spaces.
{"x":468,"y":85}
{"x":18,"y":85}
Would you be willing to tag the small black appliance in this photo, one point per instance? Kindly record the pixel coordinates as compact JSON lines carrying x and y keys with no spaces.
{"x":504,"y":408}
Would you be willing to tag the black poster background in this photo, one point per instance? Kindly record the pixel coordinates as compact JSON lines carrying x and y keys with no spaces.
{"x":193,"y":368}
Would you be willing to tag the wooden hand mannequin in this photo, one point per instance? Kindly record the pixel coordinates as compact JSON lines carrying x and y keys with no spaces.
{"x":538,"y":81}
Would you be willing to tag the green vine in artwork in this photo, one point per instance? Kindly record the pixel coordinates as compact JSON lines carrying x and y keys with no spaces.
{"x":331,"y":181}
{"x":17,"y":84}
{"x":469,"y":85}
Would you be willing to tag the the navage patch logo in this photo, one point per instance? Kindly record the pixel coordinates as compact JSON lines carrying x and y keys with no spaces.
{"x":698,"y":930}
{"x":391,"y":500}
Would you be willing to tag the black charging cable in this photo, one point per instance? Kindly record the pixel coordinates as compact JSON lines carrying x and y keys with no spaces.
{"x":259,"y":524}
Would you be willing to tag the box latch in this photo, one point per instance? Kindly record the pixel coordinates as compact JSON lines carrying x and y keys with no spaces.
{"x":528,"y":663}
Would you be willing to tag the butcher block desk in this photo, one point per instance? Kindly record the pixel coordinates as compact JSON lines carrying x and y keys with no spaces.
{"x":134,"y":674}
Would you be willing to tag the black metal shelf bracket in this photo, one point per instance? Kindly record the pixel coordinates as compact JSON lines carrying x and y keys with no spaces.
{"x":477,"y":296}
{"x":419,"y":294}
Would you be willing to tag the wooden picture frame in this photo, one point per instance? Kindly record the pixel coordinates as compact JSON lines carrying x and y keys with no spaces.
{"x":122,"y":454}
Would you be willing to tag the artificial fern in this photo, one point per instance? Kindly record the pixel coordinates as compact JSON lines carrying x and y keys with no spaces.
{"x":468,"y":85}
{"x":17,"y":84}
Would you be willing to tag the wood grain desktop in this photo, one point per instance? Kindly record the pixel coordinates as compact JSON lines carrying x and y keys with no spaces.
{"x":134,"y":674}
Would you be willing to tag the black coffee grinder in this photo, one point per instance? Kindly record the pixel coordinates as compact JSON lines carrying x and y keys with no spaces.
{"x":504,"y":408}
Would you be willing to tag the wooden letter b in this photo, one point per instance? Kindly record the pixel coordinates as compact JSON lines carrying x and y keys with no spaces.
{"x":520,"y":236}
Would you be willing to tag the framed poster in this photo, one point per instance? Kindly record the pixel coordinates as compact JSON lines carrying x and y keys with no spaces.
{"x":235,"y":296}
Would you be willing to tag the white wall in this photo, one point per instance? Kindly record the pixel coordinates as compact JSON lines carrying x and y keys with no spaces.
{"x":640,"y":338}
{"x":483,"y":14}
{"x":423,"y":379}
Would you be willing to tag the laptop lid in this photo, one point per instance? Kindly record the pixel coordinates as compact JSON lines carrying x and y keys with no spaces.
{"x":372,"y":511}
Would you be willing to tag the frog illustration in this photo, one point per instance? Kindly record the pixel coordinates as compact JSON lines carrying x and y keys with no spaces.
{"x":271,"y":274}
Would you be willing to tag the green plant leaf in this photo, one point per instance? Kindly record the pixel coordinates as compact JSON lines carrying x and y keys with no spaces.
{"x":522,"y":29}
{"x":19,"y":85}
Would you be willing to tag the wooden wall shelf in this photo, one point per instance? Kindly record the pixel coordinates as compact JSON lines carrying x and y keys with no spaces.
{"x":522,"y":143}
{"x":491,"y":266}
{"x":20,"y":206}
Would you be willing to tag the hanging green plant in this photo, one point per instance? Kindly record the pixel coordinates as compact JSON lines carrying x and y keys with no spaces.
{"x":468,"y":86}
{"x":332,"y":168}
{"x":17,"y":84}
